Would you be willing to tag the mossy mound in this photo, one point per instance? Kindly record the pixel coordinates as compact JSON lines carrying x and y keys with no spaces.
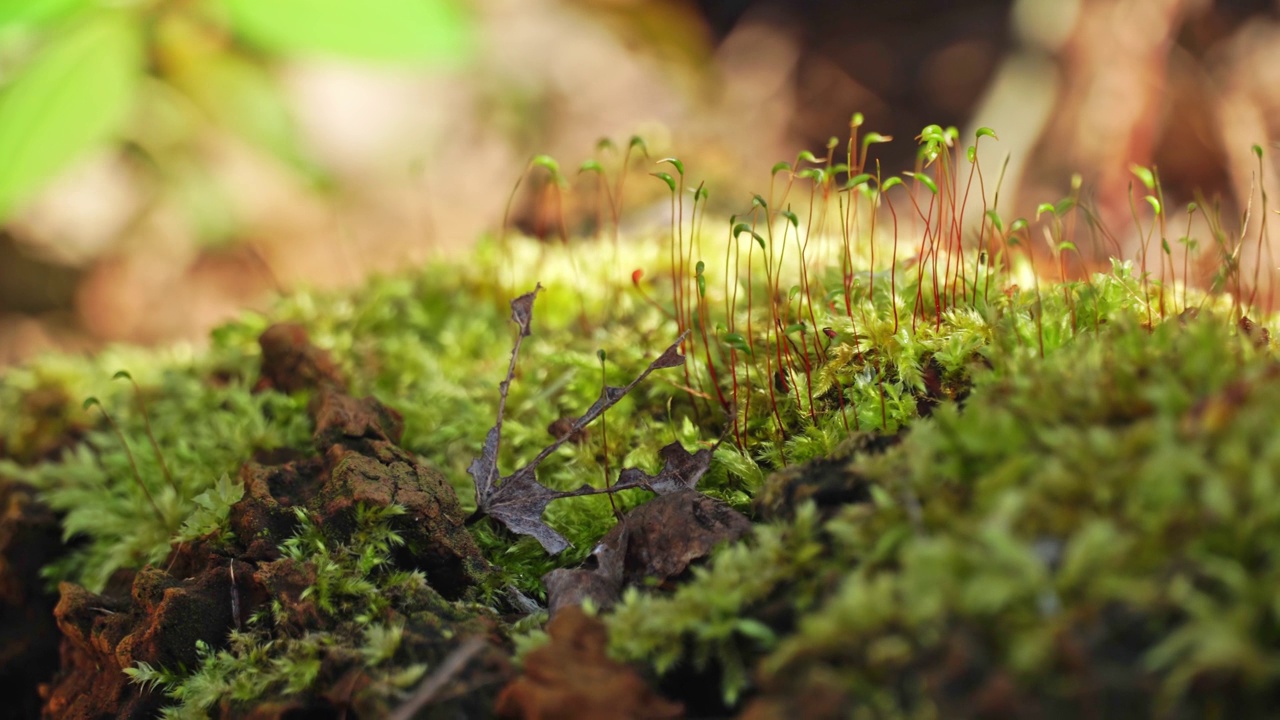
{"x":1092,"y":534}
{"x":975,"y":493}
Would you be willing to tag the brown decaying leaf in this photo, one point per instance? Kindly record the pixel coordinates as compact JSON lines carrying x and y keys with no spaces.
{"x":599,"y":579}
{"x":656,"y":541}
{"x":573,"y":678}
{"x":681,"y":470}
{"x":518,"y":500}
{"x":602,"y":575}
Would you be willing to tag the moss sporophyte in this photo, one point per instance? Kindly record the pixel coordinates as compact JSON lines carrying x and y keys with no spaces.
{"x":976,"y":483}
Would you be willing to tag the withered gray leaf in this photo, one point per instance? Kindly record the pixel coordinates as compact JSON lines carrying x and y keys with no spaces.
{"x":484,"y":469}
{"x":655,"y":542}
{"x":518,"y":500}
{"x":606,"y":400}
{"x":522,"y":310}
{"x":681,"y":470}
{"x":670,"y":357}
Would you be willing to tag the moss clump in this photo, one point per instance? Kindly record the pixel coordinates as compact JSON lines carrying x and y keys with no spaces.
{"x":1091,"y":530}
{"x":341,"y":614}
{"x":1058,"y":496}
{"x":206,"y":429}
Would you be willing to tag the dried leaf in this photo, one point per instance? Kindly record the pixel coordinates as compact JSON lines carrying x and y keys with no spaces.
{"x":522,"y":310}
{"x":670,"y":357}
{"x":484,"y":467}
{"x":655,"y":543}
{"x":681,"y":470}
{"x":598,"y":579}
{"x":518,"y":500}
{"x":573,"y":677}
{"x":611,"y":395}
{"x":671,"y":532}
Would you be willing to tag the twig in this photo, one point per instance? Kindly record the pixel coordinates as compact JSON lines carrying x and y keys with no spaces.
{"x":432,"y":684}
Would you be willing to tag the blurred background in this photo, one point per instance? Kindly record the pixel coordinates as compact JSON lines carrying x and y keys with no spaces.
{"x":167,"y":163}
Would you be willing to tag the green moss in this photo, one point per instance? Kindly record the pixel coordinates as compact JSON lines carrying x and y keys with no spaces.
{"x":1131,"y":476}
{"x":352,"y":616}
{"x":204,"y":430}
{"x":1073,"y":457}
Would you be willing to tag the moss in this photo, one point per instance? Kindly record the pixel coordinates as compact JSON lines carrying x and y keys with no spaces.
{"x":340,"y":614}
{"x":1056,"y":493}
{"x":1111,"y":508}
{"x":205,"y":431}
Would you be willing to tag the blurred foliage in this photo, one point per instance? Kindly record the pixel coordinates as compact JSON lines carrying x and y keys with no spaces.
{"x":146,"y":75}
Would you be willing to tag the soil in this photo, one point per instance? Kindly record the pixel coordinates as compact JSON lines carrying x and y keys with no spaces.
{"x":204,"y":589}
{"x":30,"y":538}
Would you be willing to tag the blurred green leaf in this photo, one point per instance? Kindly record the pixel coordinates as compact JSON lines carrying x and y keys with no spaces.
{"x":368,"y":29}
{"x":37,"y":12}
{"x":240,"y":96}
{"x":203,"y":200}
{"x":74,"y":94}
